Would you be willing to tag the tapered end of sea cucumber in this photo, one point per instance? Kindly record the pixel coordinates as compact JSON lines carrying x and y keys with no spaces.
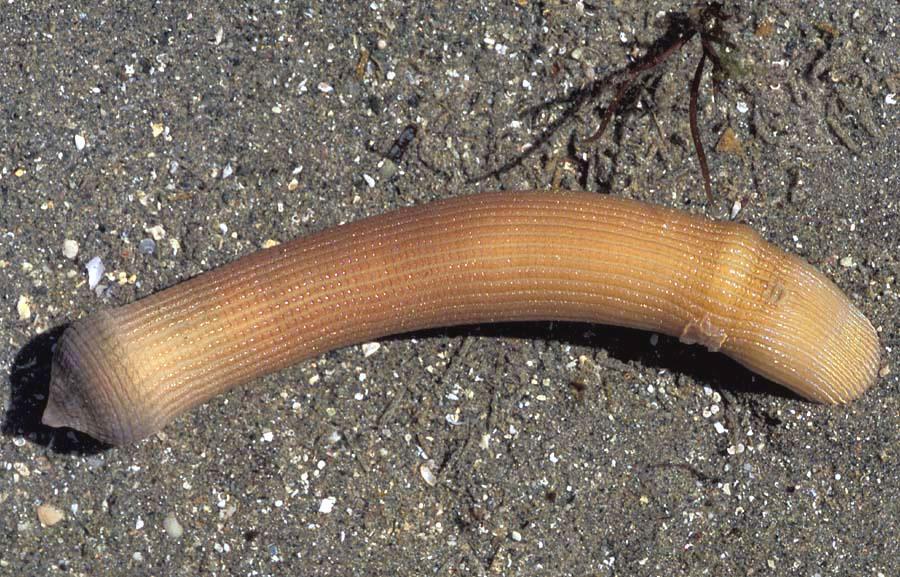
{"x":853,"y":352}
{"x":813,"y":340}
{"x":89,"y":385}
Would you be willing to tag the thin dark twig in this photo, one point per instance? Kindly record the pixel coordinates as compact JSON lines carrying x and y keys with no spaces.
{"x":633,"y":74}
{"x":695,"y":130}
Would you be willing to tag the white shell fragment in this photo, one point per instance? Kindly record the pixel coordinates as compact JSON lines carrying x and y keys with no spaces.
{"x":327,"y":505}
{"x":427,"y":470}
{"x":95,"y":270}
{"x":370,"y":349}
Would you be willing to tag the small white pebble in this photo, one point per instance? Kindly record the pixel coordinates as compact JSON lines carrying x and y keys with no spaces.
{"x":327,"y":505}
{"x":719,"y":427}
{"x":267,"y":436}
{"x":70,"y":249}
{"x":485,"y":441}
{"x":172,"y":526}
{"x":139,"y":524}
{"x":516,"y":536}
{"x":79,"y":142}
{"x":381,"y":44}
{"x":137,"y":556}
{"x":49,"y":515}
{"x":227,"y":171}
{"x":654,"y":339}
{"x":370,"y":349}
{"x":847,"y":262}
{"x":891,"y":98}
{"x":325,"y":88}
{"x":369,"y":180}
{"x":95,"y":270}
{"x":156,"y":231}
{"x":23,"y":307}
{"x":735,"y":209}
{"x":742,"y":107}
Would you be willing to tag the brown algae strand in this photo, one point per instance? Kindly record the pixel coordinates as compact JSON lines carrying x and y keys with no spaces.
{"x":122,"y":374}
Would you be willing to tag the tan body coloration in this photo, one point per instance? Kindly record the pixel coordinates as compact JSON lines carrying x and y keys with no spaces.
{"x":122,"y":374}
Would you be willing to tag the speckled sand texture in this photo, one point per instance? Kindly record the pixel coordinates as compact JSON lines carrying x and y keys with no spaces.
{"x":157,"y":141}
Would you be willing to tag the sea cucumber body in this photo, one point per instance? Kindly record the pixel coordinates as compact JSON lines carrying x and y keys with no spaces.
{"x":122,"y":374}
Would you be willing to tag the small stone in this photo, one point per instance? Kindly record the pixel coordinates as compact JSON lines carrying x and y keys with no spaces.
{"x":327,"y":504}
{"x":70,"y":249}
{"x":156,"y":231}
{"x":23,"y":307}
{"x":369,"y":180}
{"x":884,"y":371}
{"x":147,"y":246}
{"x":847,"y":262}
{"x":325,"y":88}
{"x":172,"y":526}
{"x":79,"y":142}
{"x":736,"y":209}
{"x":49,"y":515}
{"x":719,"y":427}
{"x":765,"y":29}
{"x":388,"y":169}
{"x":270,"y":242}
{"x":227,"y":171}
{"x":157,"y":128}
{"x":729,"y":143}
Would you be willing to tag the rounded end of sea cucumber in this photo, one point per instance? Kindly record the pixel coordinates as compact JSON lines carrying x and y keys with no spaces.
{"x":89,"y":385}
{"x":819,"y":344}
